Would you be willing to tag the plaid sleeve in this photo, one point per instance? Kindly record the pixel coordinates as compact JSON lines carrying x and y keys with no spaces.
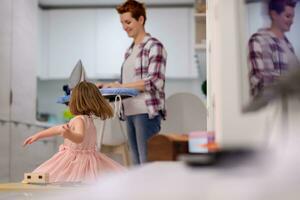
{"x":261,"y":64}
{"x":157,"y":67}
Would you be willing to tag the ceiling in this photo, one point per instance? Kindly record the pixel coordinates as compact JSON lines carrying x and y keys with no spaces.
{"x":109,"y":2}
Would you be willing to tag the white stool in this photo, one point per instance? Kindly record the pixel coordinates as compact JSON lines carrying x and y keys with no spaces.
{"x":112,"y":138}
{"x":121,"y":149}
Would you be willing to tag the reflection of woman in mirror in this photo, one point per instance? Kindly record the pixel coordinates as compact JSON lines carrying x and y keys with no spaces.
{"x":270,"y":52}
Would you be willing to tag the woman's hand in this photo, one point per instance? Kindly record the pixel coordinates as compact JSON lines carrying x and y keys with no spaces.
{"x":30,"y":140}
{"x":108,"y":85}
{"x":112,"y":85}
{"x":99,"y":85}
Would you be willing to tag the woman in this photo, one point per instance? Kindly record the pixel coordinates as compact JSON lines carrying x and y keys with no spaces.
{"x":143,"y":69}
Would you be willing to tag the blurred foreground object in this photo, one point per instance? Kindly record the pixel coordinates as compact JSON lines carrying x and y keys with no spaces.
{"x":287,"y":85}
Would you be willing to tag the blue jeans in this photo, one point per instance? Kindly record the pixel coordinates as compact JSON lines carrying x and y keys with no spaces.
{"x":139,"y":129}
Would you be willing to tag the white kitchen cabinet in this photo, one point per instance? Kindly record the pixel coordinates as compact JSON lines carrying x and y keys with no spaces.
{"x":70,"y":36}
{"x":174,"y":34}
{"x":4,"y":151}
{"x":173,"y":27}
{"x":18,"y":63}
{"x":5,"y":42}
{"x":18,"y":55}
{"x":23,"y":62}
{"x":112,"y":42}
{"x":96,"y":36}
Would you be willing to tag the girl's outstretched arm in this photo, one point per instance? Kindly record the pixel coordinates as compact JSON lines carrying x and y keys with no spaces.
{"x":56,"y":130}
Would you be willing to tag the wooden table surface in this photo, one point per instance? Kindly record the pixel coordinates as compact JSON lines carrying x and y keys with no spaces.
{"x":37,"y":187}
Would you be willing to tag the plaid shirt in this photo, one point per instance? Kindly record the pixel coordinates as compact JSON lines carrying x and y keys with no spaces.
{"x":267,"y":59}
{"x":150,"y":66}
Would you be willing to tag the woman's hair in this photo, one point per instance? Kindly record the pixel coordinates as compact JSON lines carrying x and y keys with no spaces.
{"x":86,"y":99}
{"x":279,"y":5}
{"x":136,"y":9}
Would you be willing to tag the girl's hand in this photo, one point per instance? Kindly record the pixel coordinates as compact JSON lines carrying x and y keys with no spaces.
{"x":30,"y":140}
{"x":65,"y":131}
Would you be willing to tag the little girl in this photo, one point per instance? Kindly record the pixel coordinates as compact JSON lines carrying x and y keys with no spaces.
{"x":77,"y":159}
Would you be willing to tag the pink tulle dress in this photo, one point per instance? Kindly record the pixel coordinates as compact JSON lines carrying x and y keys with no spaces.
{"x":79,"y":162}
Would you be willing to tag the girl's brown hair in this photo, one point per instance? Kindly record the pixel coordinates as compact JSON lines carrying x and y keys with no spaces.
{"x":87,"y":100}
{"x":136,"y":9}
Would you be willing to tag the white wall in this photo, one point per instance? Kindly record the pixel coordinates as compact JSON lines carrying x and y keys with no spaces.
{"x":293,"y":35}
{"x":232,"y":127}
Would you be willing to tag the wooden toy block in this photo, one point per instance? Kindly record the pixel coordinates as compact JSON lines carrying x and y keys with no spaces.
{"x":37,"y":178}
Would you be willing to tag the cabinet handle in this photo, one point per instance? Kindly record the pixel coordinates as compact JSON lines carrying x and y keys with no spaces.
{"x":10,"y":97}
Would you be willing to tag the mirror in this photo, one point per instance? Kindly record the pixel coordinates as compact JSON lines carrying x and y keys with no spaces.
{"x":257,"y":17}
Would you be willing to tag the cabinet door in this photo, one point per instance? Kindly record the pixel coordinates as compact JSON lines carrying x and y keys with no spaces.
{"x":173,"y":27}
{"x":72,"y":36}
{"x":4,"y":152}
{"x":5,"y":43}
{"x":24,"y":60}
{"x":112,"y":42}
